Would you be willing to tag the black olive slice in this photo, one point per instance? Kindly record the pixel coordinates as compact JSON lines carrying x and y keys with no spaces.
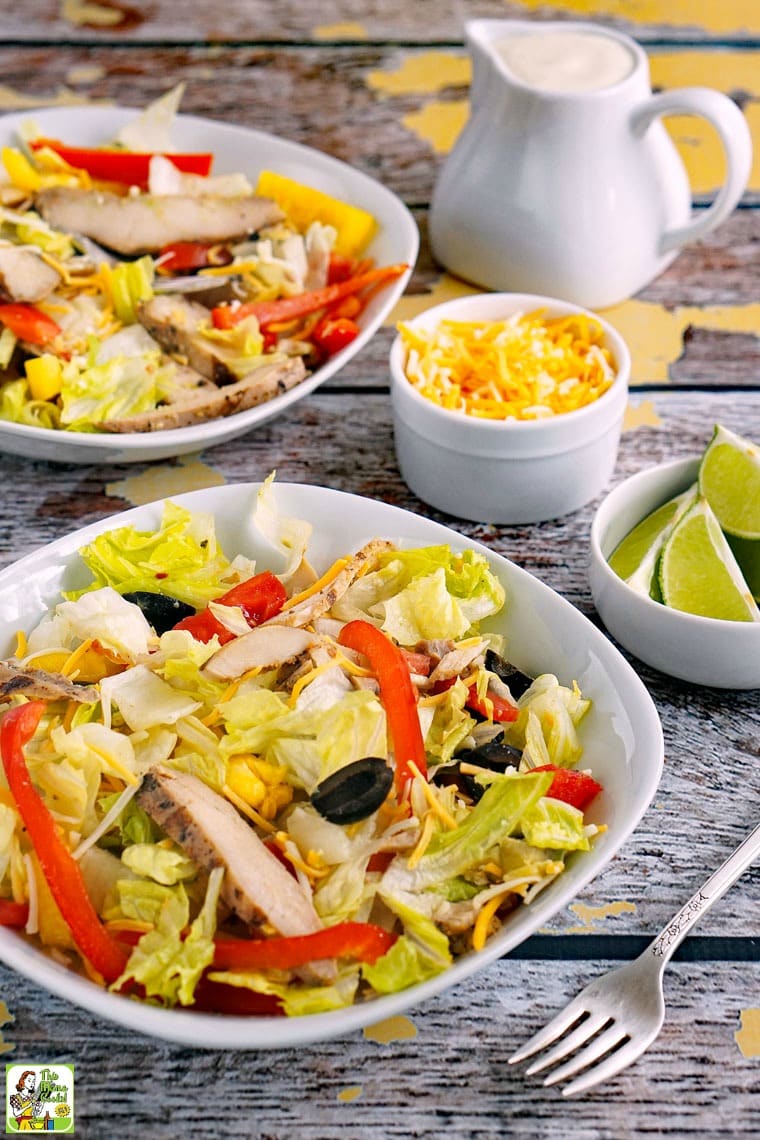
{"x":354,"y":792}
{"x":495,"y":755}
{"x":517,"y":681}
{"x":162,"y":612}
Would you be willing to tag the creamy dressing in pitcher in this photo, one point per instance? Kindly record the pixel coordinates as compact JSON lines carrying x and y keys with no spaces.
{"x":566,"y":62}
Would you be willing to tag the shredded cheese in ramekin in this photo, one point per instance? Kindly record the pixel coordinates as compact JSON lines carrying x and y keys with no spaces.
{"x":524,"y":368}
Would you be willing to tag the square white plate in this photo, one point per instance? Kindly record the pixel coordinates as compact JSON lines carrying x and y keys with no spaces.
{"x":250,"y":152}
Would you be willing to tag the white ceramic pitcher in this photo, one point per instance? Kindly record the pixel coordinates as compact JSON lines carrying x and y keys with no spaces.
{"x":574,"y":194}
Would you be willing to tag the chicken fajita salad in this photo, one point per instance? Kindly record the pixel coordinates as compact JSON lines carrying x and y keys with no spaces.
{"x":262,"y":790}
{"x":140,"y":291}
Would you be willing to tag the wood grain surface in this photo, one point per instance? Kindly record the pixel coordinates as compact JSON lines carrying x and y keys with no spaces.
{"x":304,"y":71}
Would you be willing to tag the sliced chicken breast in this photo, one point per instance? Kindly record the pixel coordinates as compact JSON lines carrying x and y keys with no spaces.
{"x":174,"y":321}
{"x":211,"y":403}
{"x":146,"y":223}
{"x":24,"y":276}
{"x":15,"y":680}
{"x":256,"y":885}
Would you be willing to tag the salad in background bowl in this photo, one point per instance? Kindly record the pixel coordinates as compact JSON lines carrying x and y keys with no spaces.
{"x":329,"y":703}
{"x":187,"y":290}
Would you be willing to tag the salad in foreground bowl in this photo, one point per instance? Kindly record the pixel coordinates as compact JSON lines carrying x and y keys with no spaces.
{"x":252,"y":792}
{"x":142,"y":292}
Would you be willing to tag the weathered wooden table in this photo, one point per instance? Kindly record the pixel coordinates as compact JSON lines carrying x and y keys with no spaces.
{"x":384,"y":87}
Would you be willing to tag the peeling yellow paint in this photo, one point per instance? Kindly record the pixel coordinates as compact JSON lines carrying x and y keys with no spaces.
{"x":641,"y":415}
{"x":392,"y":1029}
{"x":438,"y":123}
{"x":654,"y":334}
{"x":423,"y":74}
{"x":590,"y":915}
{"x":348,"y":30}
{"x":5,"y":1017}
{"x":445,"y":288}
{"x":349,"y":1094}
{"x":728,"y":16}
{"x":748,"y":1037}
{"x":189,"y":474}
{"x":731,"y":71}
{"x":87,"y":73}
{"x":13,"y":100}
{"x":90,"y":14}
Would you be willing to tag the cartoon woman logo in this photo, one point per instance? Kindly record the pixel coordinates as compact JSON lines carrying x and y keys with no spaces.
{"x":27,"y":1104}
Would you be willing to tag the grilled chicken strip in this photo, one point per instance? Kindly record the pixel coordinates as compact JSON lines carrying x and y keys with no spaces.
{"x":173,"y":321}
{"x":146,"y":223}
{"x":24,"y":276}
{"x":256,"y":885}
{"x":257,"y":387}
{"x":302,"y":613}
{"x":40,"y":685}
{"x":265,"y":647}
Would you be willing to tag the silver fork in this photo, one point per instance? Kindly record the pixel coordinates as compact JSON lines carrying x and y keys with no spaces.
{"x":615,"y":1018}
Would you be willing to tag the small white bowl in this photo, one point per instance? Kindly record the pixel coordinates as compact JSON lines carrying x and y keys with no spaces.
{"x":496,"y":472}
{"x":705,"y":651}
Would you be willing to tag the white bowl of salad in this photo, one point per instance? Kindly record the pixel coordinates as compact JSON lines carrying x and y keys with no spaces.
{"x":285,"y":761}
{"x":508,"y":407}
{"x":168,"y":283}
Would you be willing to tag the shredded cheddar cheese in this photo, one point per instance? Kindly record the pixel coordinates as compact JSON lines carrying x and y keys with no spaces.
{"x":524,"y":368}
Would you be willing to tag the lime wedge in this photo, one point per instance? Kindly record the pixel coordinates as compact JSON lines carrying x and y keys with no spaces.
{"x":698,"y":571}
{"x":729,"y":478}
{"x":635,"y":558}
{"x":747,"y":554}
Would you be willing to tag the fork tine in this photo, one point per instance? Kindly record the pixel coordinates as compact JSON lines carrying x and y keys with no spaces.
{"x":606,"y":1069}
{"x":595,"y":1049}
{"x":585,"y":1031}
{"x":550,"y":1032}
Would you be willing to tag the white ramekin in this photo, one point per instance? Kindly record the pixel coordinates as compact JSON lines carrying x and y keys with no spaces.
{"x":496,"y":472}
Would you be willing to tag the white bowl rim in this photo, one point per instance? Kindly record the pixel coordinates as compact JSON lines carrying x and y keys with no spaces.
{"x":603,"y":517}
{"x":616,"y":391}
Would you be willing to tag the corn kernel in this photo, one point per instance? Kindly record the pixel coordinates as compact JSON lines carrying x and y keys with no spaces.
{"x":243,"y":781}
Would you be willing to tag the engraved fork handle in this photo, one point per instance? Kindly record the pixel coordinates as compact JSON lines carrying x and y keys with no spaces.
{"x":673,"y":934}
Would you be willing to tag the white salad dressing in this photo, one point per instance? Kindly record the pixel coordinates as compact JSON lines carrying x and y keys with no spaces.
{"x":566,"y":62}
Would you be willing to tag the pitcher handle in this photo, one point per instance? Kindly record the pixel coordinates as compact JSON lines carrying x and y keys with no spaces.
{"x":729,"y":122}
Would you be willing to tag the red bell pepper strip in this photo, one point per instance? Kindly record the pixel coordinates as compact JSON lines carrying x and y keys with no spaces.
{"x":13,"y":913}
{"x":397,"y":695}
{"x":29,"y":323}
{"x":187,"y":256}
{"x":291,"y":308}
{"x":129,"y":167}
{"x":60,"y":869}
{"x":216,"y":997}
{"x":361,"y":941}
{"x":571,"y":786}
{"x":260,"y":598}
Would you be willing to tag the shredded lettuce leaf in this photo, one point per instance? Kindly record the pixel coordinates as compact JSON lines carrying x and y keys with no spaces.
{"x":183,"y":550}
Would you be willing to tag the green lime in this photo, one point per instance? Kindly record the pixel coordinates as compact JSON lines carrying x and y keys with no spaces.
{"x":698,"y":572}
{"x":634,"y":559}
{"x":747,"y":554}
{"x":729,"y":478}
